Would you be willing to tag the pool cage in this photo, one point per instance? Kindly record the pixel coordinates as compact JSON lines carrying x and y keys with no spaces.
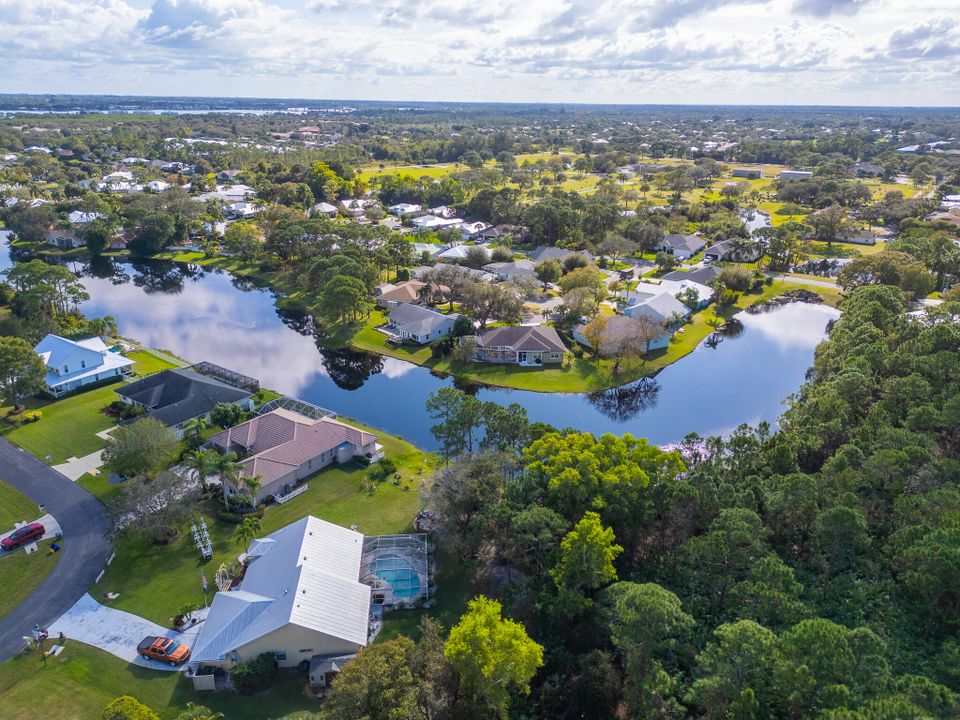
{"x":397,"y":568}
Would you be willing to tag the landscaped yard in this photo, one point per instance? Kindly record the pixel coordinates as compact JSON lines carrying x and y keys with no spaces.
{"x":155,"y":581}
{"x":68,"y":428}
{"x":148,"y":362}
{"x":82,"y":680}
{"x":15,"y":506}
{"x":21,"y":574}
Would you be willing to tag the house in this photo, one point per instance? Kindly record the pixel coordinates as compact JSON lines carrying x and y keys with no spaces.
{"x":300,"y":597}
{"x":749,"y":173}
{"x":511,"y":270}
{"x":859,"y":236}
{"x":681,"y":246}
{"x":228,"y":175}
{"x":531,"y":345}
{"x":662,"y":308}
{"x":443,"y":211}
{"x":732,"y":251}
{"x":483,"y":276}
{"x":241,"y":210}
{"x":63,"y":235}
{"x":459,"y":252}
{"x":432,"y":223}
{"x":419,"y":324}
{"x":795,"y":175}
{"x":357,"y":207}
{"x":621,"y":328}
{"x":404,"y":209}
{"x":702,"y":275}
{"x":498,"y":232}
{"x":177,"y":396}
{"x":431,"y":249}
{"x":79,"y":217}
{"x":157,"y":186}
{"x":71,"y":364}
{"x":407,"y":291}
{"x":866,"y":169}
{"x":676,"y":287}
{"x":541,"y":254}
{"x":282,"y":448}
{"x":324,"y":208}
{"x":471,"y":231}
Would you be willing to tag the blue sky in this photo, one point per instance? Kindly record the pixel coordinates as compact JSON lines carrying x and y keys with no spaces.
{"x":849,"y":52}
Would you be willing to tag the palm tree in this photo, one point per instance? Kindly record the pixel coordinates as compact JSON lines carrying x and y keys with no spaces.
{"x":202,"y":462}
{"x":247,"y":530}
{"x":199,"y":712}
{"x":229,"y":470}
{"x":105,"y":326}
{"x":193,"y":430}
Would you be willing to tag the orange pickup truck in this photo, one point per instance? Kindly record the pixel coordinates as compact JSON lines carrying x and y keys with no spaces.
{"x":165,"y":649}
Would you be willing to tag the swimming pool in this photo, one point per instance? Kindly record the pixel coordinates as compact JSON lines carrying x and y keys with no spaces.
{"x":399,"y":573}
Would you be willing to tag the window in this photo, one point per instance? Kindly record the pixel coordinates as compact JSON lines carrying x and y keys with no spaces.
{"x":280,"y":655}
{"x":306,"y":650}
{"x":83,"y":364}
{"x":66,"y":369}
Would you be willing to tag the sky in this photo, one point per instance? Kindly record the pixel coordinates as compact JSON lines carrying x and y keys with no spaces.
{"x":779,"y":52}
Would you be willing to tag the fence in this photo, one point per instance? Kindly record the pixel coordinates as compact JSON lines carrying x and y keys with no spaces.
{"x":281,"y":499}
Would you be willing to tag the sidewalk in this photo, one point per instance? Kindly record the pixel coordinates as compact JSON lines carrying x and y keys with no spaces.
{"x":117,"y":632}
{"x":75,"y":468}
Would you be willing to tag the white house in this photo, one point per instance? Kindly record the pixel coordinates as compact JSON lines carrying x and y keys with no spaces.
{"x":432,"y":223}
{"x":675,"y":287}
{"x":795,"y":175}
{"x":681,"y":246}
{"x":157,"y":186}
{"x":300,"y":597}
{"x":79,"y":217}
{"x":472,"y":230}
{"x":662,"y":308}
{"x":357,"y":207}
{"x":404,"y":209}
{"x":323,"y":208}
{"x":419,"y":324}
{"x":71,"y":364}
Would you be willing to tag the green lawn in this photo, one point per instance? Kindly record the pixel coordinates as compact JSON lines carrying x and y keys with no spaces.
{"x":21,"y":574}
{"x":148,"y":363}
{"x":584,"y":374}
{"x":15,"y":506}
{"x":154,"y":581}
{"x":68,"y":427}
{"x":82,"y":680}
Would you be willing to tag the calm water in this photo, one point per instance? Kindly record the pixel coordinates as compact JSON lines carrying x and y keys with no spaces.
{"x":211,"y":316}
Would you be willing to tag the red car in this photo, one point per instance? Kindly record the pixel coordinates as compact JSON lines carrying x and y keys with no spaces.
{"x":165,"y":649}
{"x":22,"y":536}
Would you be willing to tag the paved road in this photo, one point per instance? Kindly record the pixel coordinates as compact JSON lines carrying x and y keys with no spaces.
{"x":806,"y":281}
{"x":85,"y":549}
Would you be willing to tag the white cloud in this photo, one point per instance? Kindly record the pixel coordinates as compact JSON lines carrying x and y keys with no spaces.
{"x":582,"y":50}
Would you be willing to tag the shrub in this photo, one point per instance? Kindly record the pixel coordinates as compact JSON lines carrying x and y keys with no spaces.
{"x":254,"y":675}
{"x":403,"y":274}
{"x":128,"y":708}
{"x":236,"y":518}
{"x":736,"y":278}
{"x":32,"y":416}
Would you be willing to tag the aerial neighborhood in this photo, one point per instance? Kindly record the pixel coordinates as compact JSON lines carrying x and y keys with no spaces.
{"x":366,"y":410}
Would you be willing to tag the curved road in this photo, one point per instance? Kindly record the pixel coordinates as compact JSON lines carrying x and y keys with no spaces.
{"x":84,"y":522}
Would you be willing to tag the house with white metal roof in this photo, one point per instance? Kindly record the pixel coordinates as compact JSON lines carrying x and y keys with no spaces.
{"x":71,"y":364}
{"x":300,"y":597}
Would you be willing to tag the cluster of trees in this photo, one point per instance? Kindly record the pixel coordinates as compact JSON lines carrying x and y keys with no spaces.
{"x":807,"y":573}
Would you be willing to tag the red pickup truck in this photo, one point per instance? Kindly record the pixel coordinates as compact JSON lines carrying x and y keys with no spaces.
{"x":22,"y":536}
{"x":165,"y":649}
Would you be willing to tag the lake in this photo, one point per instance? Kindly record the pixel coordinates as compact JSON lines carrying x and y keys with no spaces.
{"x":210,"y":316}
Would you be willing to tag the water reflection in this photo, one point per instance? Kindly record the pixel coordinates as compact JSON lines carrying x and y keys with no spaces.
{"x":206,"y":315}
{"x":625,"y":402}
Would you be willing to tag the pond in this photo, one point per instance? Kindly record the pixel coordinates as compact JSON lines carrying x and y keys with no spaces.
{"x":212,"y":316}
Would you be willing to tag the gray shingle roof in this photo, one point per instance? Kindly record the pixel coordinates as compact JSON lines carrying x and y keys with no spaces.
{"x":522,"y":338}
{"x":177,"y":395}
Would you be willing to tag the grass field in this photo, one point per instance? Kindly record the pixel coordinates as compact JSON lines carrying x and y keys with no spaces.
{"x":68,"y":427}
{"x":21,"y":574}
{"x":154,"y":581}
{"x":79,"y":682}
{"x":15,"y":506}
{"x":148,"y":363}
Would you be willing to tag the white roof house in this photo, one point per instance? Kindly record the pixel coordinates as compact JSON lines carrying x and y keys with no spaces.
{"x":426,"y":223}
{"x":72,"y":364}
{"x":459,"y":252}
{"x":300,"y":596}
{"x":675,"y":287}
{"x":79,"y":217}
{"x":157,"y":185}
{"x":404,"y":209}
{"x":661,"y":307}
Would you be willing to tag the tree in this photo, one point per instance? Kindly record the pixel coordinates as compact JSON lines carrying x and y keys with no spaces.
{"x":376,"y":685}
{"x":141,"y":449}
{"x":22,"y":372}
{"x":615,"y":247}
{"x":465,"y":350}
{"x":226,"y":415}
{"x":888,"y":268}
{"x":126,"y":707}
{"x":586,"y":556}
{"x":588,"y":278}
{"x":243,"y":240}
{"x":154,"y":508}
{"x":247,"y":530}
{"x":202,"y":462}
{"x":199,"y":712}
{"x":547,"y":271}
{"x":156,"y":232}
{"x":484,"y":302}
{"x":229,"y":470}
{"x":492,"y":655}
{"x":98,"y":235}
{"x":595,"y":332}
{"x":105,"y":326}
{"x":829,"y":225}
{"x":644,"y":619}
{"x":459,"y":417}
{"x":193,"y":430}
{"x":476,"y":257}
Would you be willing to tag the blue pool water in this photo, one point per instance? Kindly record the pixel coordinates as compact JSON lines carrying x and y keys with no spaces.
{"x":399,"y":573}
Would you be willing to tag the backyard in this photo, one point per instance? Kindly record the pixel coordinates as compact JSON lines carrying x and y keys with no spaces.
{"x":154,"y":581}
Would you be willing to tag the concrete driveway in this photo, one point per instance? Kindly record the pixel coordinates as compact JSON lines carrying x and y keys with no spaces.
{"x":50,"y":525}
{"x":86,"y":548}
{"x":116,"y":631}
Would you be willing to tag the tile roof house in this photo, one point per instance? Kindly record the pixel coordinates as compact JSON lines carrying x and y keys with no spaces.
{"x":300,"y":596}
{"x":419,"y":324}
{"x":176,"y":396}
{"x":407,"y":291}
{"x":282,"y":447}
{"x":681,"y":246}
{"x":71,"y":364}
{"x":531,"y":345}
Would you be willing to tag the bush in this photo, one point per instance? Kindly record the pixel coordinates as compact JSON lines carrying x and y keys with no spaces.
{"x":441,"y":348}
{"x":254,"y":675}
{"x":128,"y":708}
{"x":403,"y":274}
{"x":736,"y":278}
{"x":32,"y":416}
{"x":236,"y":518}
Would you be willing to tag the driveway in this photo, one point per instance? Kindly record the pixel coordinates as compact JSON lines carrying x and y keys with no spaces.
{"x":50,"y":526}
{"x":116,"y":631}
{"x":84,"y":523}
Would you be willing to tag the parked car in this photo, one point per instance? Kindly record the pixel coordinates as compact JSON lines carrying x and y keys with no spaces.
{"x":22,"y":536}
{"x":165,"y":649}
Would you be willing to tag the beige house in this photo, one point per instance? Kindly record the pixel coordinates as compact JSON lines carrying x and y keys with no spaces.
{"x":283,"y":447}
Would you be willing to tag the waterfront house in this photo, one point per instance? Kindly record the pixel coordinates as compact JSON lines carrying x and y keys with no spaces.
{"x":71,"y":364}
{"x":531,"y":345}
{"x":281,"y":448}
{"x":660,"y":307}
{"x":622,"y":328}
{"x":418,"y":324}
{"x":179,"y":395}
